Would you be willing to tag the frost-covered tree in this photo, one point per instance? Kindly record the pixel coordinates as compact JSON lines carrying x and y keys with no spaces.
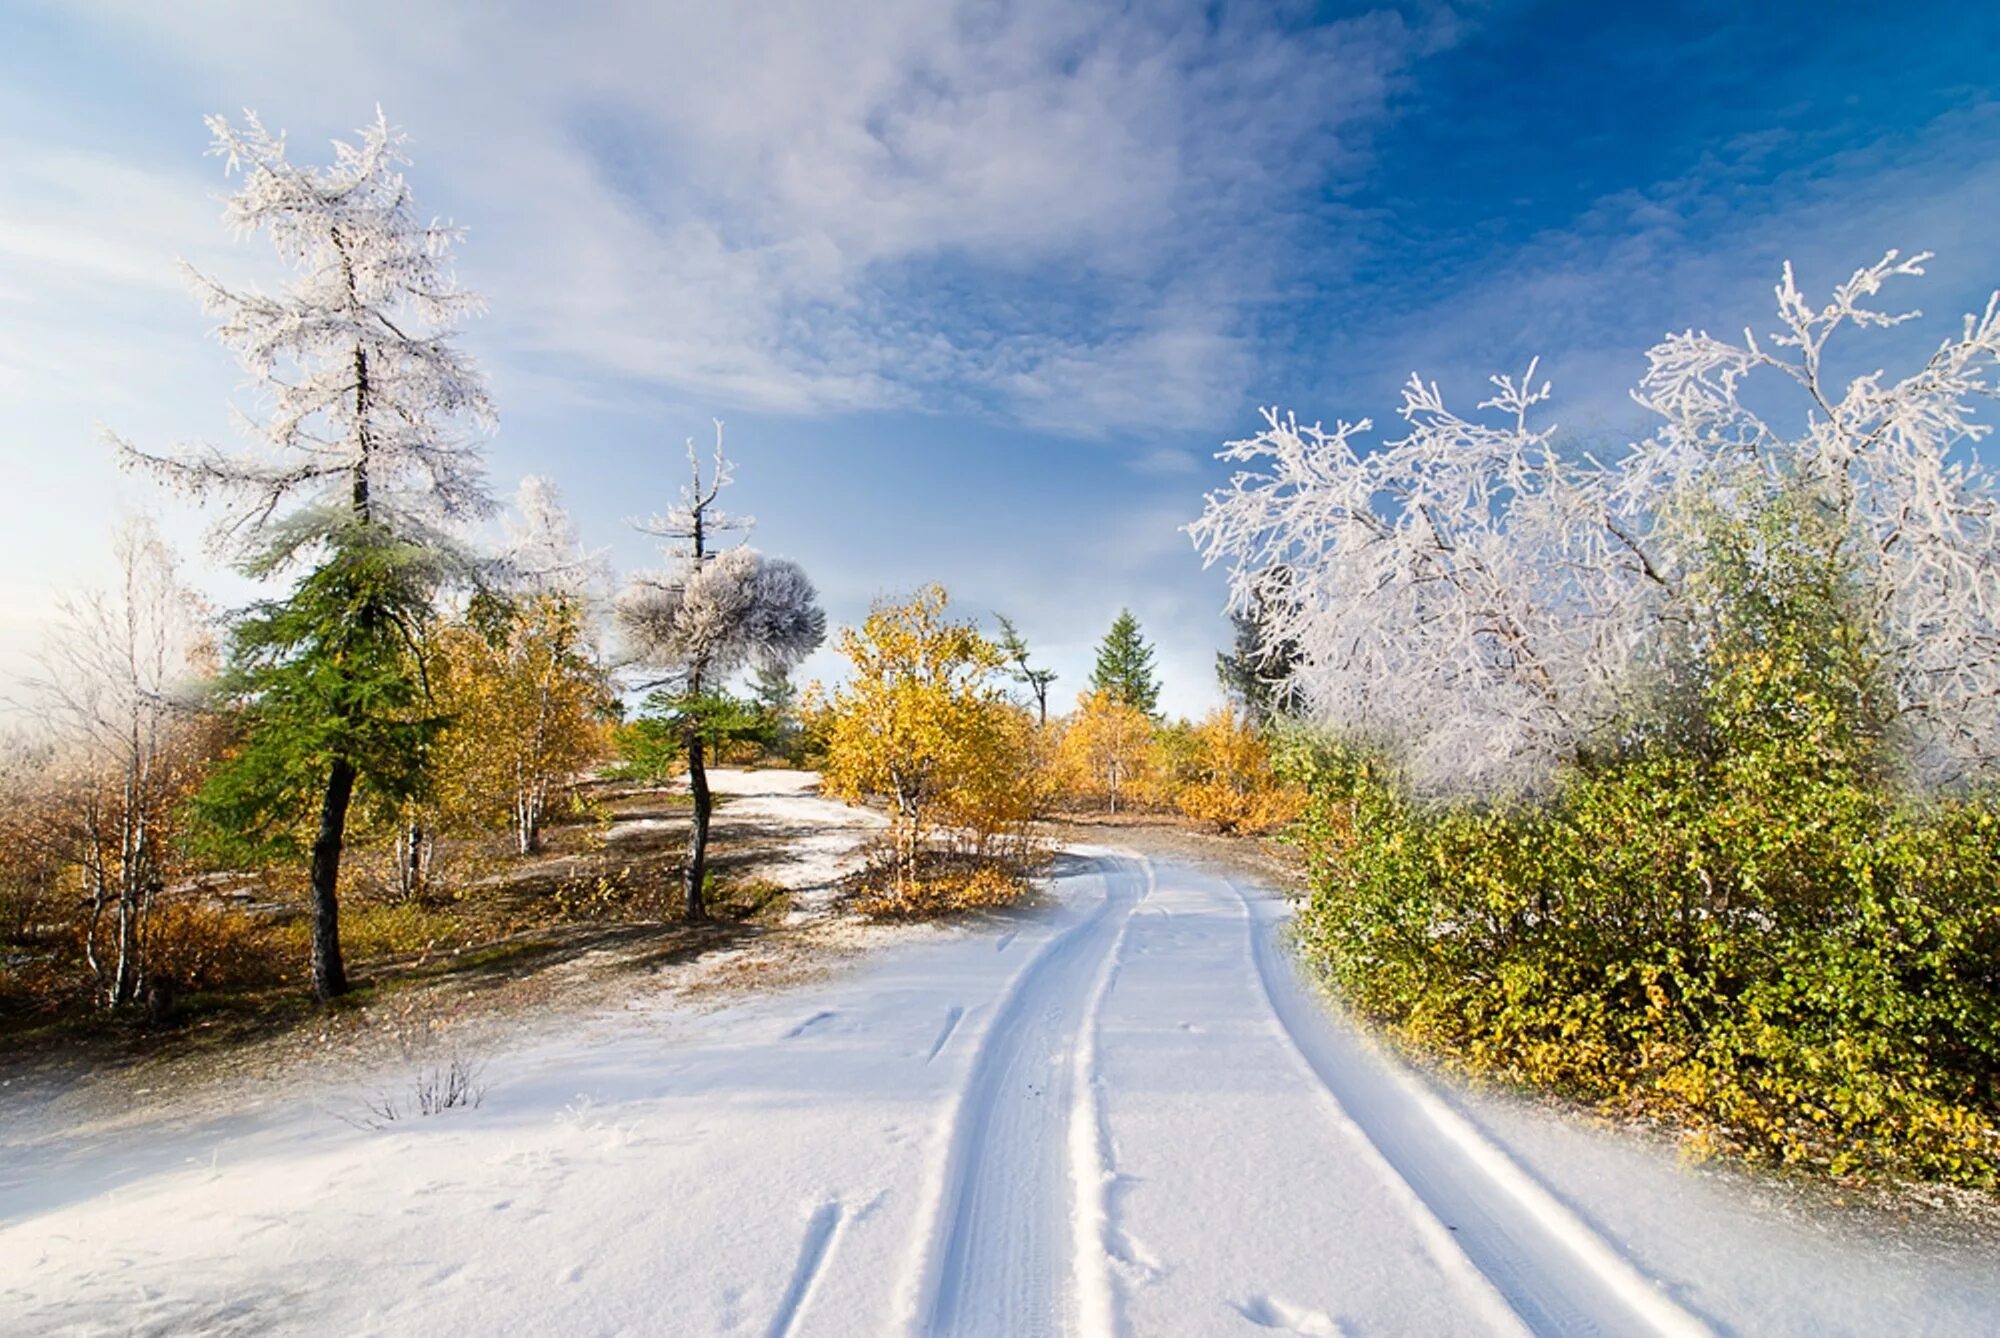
{"x":1498,"y":606}
{"x":541,"y":553}
{"x":369,"y":464}
{"x":121,"y":673}
{"x":708,"y":614}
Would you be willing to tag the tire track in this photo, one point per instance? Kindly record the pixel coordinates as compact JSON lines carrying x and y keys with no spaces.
{"x":996,"y":1258}
{"x":1550,"y":1268}
{"x":1092,"y":1163}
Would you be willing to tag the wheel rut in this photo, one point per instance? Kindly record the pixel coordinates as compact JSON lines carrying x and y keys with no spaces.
{"x":1557,"y":1275}
{"x":1001,"y":1253}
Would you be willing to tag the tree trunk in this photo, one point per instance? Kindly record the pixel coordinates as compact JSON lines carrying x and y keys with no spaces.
{"x":105,"y":994}
{"x":125,"y":986}
{"x":528,"y":805}
{"x":697,"y":862}
{"x":329,"y":975}
{"x":413,"y":874}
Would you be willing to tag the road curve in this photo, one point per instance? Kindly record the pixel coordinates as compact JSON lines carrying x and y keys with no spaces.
{"x":1121,"y":1112}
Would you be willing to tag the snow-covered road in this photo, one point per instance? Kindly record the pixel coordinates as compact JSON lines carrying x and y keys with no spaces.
{"x":1124,"y":1115}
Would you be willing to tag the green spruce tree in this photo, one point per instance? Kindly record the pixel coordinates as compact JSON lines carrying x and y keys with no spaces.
{"x":1125,"y":666}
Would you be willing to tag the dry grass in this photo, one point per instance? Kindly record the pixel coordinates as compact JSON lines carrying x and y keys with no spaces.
{"x":945,"y":884}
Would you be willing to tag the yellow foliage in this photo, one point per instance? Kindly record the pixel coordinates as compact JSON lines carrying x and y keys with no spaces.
{"x":528,"y":708}
{"x":922,"y":725}
{"x":978,"y":887}
{"x":1234,"y":786}
{"x":1105,"y":749}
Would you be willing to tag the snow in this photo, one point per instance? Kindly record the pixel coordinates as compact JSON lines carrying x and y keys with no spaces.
{"x":822,"y":838}
{"x":1125,"y":1114}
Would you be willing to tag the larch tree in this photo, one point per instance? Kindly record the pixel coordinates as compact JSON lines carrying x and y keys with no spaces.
{"x":1037,"y":681}
{"x":709,"y":613}
{"x":122,"y":673}
{"x":1499,"y":607}
{"x":1124,"y":666}
{"x":368,"y":419}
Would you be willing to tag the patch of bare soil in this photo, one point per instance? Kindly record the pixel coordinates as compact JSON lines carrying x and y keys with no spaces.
{"x":1267,"y":860}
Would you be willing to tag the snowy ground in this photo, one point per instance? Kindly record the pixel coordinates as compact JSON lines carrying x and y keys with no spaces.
{"x":1123,"y":1115}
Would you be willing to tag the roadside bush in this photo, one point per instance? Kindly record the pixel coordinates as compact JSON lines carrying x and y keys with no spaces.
{"x":1737,"y":924}
{"x":1233,"y":784}
{"x":942,"y":885}
{"x":203,"y":946}
{"x":1811,"y":978}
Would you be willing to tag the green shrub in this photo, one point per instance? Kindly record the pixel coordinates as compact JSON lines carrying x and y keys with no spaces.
{"x":1800,"y":982}
{"x":1735,"y":921}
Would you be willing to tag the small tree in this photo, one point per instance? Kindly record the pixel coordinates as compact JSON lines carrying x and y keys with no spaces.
{"x":1124,"y":668}
{"x":119,"y":676}
{"x":777,"y":701}
{"x":527,"y":703}
{"x":1235,"y":787}
{"x":367,"y":472}
{"x":526,"y":692}
{"x":920,"y":723}
{"x":704,"y":617}
{"x":1105,"y":745}
{"x":1035,"y":680}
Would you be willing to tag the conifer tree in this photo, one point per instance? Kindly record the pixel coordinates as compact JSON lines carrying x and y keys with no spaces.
{"x":1037,"y":681}
{"x":1256,"y":671}
{"x":708,"y":614}
{"x":365,"y":472}
{"x":1125,"y":666}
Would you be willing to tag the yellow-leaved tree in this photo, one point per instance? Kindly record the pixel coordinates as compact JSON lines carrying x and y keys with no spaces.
{"x":1104,"y":747}
{"x":923,"y":724}
{"x":1236,"y":788}
{"x":529,"y":707}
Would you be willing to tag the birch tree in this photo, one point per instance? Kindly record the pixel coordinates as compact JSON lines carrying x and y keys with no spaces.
{"x":121,"y":674}
{"x":521,"y":678}
{"x":921,"y":724}
{"x":367,"y":419}
{"x":1498,"y":607}
{"x":710,"y":612}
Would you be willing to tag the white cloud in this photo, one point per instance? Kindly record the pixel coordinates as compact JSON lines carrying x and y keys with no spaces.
{"x":783,"y":206}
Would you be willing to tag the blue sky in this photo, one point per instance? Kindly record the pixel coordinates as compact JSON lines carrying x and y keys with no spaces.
{"x":979,"y":288}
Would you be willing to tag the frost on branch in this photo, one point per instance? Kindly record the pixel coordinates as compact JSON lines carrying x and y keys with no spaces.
{"x":1496,"y":607}
{"x":365,"y":401}
{"x":710,"y":614}
{"x":541,"y":553}
{"x":738,"y":609}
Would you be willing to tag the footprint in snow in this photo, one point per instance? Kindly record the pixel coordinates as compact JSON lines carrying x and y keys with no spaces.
{"x":807,"y":1025}
{"x":1271,"y":1313}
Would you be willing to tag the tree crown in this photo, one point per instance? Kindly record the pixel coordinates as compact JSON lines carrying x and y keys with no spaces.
{"x":1124,"y":667}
